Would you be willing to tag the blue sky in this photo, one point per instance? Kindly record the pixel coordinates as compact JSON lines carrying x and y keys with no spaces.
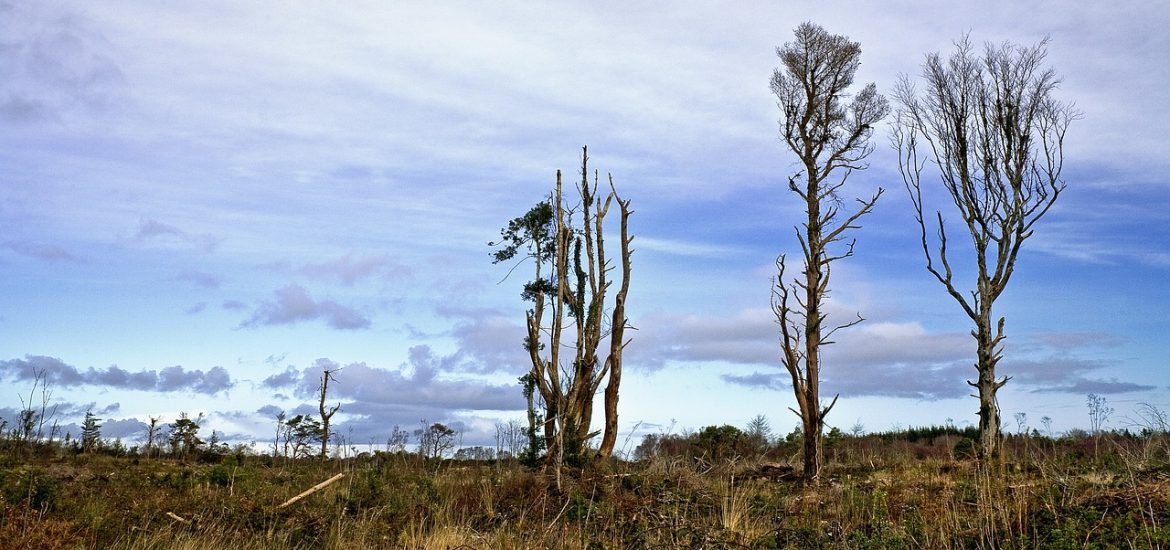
{"x":203,"y":205}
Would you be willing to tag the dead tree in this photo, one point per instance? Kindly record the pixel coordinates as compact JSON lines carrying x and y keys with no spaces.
{"x":572,"y":285}
{"x":992,"y":127}
{"x":830,"y":135}
{"x":152,"y":432}
{"x":618,"y":323}
{"x":326,"y":413}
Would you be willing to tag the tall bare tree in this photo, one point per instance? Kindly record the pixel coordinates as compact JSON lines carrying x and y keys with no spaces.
{"x":326,"y":412}
{"x":572,"y":285}
{"x":152,"y":433}
{"x":995,"y":132}
{"x":829,"y":130}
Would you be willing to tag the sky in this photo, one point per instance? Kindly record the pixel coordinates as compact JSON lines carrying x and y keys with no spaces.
{"x":203,"y":205}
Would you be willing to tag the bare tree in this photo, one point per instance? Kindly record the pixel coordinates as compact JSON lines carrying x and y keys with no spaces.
{"x":572,"y":284}
{"x":1099,"y":413}
{"x":152,"y":434}
{"x":397,"y":441}
{"x":326,"y":413}
{"x":31,"y":421}
{"x":830,"y":135}
{"x":511,"y":437}
{"x":280,"y":444}
{"x":992,"y":127}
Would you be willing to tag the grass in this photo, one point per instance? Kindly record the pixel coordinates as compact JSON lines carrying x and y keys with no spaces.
{"x":877,"y":492}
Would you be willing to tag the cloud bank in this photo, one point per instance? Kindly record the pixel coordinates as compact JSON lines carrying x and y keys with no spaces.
{"x":373,"y":399}
{"x":890,"y":359}
{"x":54,"y":372}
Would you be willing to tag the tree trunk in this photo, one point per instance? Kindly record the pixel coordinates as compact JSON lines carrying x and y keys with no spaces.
{"x":326,"y":415}
{"x":575,"y":292}
{"x":989,"y":422}
{"x":814,"y":293}
{"x":812,"y":449}
{"x":617,"y":342}
{"x":609,"y":437}
{"x":550,"y":429}
{"x":989,"y":434}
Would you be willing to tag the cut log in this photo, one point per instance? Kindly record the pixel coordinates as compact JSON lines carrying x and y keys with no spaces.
{"x":312,"y":490}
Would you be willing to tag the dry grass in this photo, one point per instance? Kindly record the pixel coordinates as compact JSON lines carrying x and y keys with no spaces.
{"x":1073,"y":494}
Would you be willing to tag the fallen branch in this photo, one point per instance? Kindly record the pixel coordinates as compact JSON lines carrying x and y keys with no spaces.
{"x":312,"y":490}
{"x":175,"y":516}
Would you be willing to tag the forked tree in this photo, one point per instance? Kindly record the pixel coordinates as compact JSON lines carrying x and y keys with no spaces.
{"x":990,"y":125}
{"x":152,"y":434}
{"x":571,"y":314}
{"x":326,"y":412}
{"x":829,"y":131}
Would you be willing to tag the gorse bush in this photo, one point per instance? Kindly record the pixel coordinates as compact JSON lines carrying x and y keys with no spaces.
{"x":712,"y":443}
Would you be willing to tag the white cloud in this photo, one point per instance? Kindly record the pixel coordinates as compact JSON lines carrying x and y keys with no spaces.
{"x":293,"y":304}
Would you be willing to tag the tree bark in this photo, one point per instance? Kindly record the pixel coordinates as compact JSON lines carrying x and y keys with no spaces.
{"x":617,"y":342}
{"x":812,"y":448}
{"x":989,"y":421}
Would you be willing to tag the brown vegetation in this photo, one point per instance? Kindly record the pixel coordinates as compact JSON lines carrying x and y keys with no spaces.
{"x":909,"y":489}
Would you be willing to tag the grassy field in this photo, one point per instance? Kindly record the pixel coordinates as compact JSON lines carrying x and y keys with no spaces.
{"x":902,"y":490}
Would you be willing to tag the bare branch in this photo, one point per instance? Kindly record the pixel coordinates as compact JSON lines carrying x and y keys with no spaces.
{"x":569,"y":243}
{"x":991,"y":126}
